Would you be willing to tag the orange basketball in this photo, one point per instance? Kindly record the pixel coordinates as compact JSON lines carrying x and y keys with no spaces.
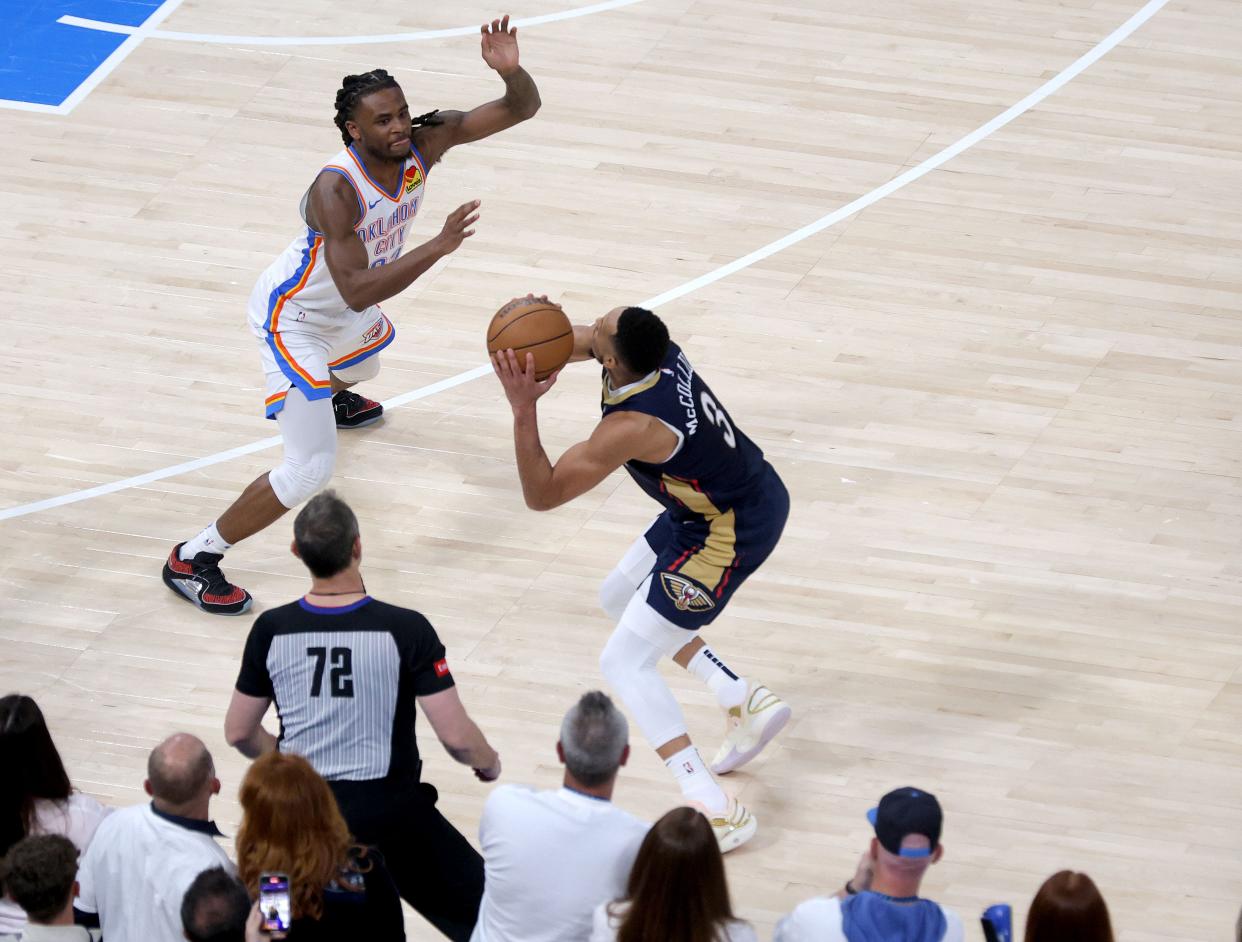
{"x":527,"y":325}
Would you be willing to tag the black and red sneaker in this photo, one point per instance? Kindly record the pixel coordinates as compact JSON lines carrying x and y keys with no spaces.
{"x":354,"y":411}
{"x":202,"y":583}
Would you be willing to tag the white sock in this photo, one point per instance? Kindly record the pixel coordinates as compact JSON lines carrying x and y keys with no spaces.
{"x":696,"y":782}
{"x":730,"y":690}
{"x":208,"y":541}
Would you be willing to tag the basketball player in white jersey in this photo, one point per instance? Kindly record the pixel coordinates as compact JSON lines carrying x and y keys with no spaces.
{"x":316,"y":309}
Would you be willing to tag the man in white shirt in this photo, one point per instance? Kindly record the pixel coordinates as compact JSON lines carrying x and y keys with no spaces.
{"x":551,"y":857}
{"x":135,"y":873}
{"x":881,"y":902}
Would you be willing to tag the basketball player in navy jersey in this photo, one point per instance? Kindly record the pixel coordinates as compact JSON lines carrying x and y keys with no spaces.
{"x":315,"y":310}
{"x":724,"y":509}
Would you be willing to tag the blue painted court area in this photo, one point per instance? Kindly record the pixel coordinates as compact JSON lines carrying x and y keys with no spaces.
{"x":44,"y":61}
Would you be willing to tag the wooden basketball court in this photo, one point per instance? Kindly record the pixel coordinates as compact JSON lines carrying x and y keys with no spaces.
{"x":1006,"y":398}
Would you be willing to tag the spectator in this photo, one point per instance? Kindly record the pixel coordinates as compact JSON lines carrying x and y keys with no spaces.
{"x":215,"y":908}
{"x":881,"y":902}
{"x":35,"y":794}
{"x":345,"y":671}
{"x":291,"y":825}
{"x":676,"y":891}
{"x":553,"y":856}
{"x":135,"y":874}
{"x":1068,"y":908}
{"x":39,"y":874}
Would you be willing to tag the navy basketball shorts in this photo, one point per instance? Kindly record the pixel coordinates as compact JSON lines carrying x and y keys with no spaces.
{"x":701,"y":562}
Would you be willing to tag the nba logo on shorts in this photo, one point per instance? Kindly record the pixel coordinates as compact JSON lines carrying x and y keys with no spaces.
{"x":441,"y":667}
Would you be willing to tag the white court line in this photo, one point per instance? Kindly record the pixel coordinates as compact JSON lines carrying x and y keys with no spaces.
{"x":930,"y":164}
{"x":30,"y":106}
{"x":343,"y":40}
{"x":136,"y":35}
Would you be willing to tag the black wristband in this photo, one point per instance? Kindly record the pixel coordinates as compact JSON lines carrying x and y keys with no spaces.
{"x":849,"y":890}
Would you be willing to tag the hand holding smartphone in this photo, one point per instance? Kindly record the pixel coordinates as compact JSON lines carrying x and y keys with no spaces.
{"x":275,"y":910}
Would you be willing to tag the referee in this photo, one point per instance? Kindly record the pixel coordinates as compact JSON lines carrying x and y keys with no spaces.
{"x":344,"y":671}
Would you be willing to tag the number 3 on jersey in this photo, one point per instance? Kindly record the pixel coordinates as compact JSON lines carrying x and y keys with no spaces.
{"x":714,"y":414}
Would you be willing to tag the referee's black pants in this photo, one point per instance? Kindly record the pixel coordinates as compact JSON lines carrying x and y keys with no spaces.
{"x":435,"y":868}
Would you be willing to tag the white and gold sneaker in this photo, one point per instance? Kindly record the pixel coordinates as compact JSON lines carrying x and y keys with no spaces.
{"x":734,"y":826}
{"x":751,"y":726}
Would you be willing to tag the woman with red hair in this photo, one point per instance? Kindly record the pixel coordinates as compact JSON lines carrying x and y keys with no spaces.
{"x":1068,"y":908}
{"x":291,"y":825}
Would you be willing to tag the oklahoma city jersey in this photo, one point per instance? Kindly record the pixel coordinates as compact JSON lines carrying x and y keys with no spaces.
{"x":299,"y":278}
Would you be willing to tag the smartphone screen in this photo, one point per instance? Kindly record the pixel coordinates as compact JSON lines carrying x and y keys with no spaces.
{"x":274,"y":901}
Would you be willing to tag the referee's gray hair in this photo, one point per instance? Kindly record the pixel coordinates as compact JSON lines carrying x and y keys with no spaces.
{"x":594,"y":733}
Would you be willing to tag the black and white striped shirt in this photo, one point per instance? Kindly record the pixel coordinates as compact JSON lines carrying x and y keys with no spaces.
{"x":344,"y":681}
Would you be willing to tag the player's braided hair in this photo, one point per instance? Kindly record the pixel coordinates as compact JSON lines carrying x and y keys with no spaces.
{"x":354,"y":88}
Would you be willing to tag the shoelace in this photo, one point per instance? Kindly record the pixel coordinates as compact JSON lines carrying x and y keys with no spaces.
{"x":351,"y":401}
{"x":211,"y":574}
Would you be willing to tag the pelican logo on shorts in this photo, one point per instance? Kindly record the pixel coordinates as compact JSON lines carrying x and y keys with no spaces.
{"x":687,"y":596}
{"x":373,"y":332}
{"x":413,"y":179}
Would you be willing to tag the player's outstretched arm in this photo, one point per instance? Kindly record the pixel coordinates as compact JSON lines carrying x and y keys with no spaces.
{"x":332,"y":210}
{"x":520,"y":101}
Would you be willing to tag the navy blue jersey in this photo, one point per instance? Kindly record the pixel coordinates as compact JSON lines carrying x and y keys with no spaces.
{"x":715,"y":466}
{"x":725,"y":506}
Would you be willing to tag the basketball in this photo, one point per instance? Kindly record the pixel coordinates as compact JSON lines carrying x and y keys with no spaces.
{"x":528,"y":325}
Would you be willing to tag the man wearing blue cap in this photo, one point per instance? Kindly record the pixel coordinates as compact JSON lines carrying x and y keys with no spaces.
{"x":881,"y":902}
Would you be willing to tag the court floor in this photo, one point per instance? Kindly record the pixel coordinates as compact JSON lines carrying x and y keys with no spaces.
{"x":968,"y":273}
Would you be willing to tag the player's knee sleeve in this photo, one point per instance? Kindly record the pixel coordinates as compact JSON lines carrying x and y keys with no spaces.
{"x":309,"y":431}
{"x":359,"y":372}
{"x":615,"y":594}
{"x":628,"y":662}
{"x":296,"y":481}
{"x":624,"y":580}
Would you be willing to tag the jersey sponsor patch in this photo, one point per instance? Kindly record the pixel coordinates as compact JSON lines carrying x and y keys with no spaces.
{"x":441,"y":667}
{"x":413,"y":179}
{"x":687,"y":595}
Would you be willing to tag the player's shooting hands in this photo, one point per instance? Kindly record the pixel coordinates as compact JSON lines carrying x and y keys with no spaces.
{"x":500,"y":48}
{"x":457,"y":227}
{"x":544,"y":299}
{"x":521,"y":387}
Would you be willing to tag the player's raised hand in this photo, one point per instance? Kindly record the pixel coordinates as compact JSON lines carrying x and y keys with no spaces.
{"x":457,"y":226}
{"x":521,"y":387}
{"x":500,"y":48}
